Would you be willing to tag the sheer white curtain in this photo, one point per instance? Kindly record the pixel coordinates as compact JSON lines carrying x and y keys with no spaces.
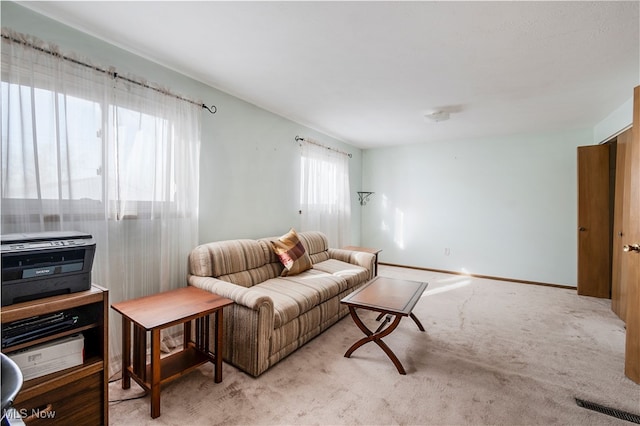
{"x":87,"y":152}
{"x":324,"y":193}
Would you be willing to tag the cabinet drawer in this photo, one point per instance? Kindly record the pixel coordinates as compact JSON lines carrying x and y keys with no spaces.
{"x":77,"y":403}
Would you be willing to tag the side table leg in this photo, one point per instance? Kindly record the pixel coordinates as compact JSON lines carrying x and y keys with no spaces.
{"x":126,"y":352}
{"x":217,"y":345}
{"x":376,"y":267}
{"x":139,"y":363}
{"x":186,"y":335}
{"x":155,"y":373}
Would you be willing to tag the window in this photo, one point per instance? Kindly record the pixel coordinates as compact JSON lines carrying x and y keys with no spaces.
{"x":35,"y":165}
{"x":324,"y":193}
{"x":84,"y":151}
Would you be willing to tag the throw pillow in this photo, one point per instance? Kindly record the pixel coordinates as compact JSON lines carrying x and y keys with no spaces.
{"x":291,"y":253}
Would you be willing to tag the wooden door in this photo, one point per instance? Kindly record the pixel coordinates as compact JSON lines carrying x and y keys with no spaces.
{"x":594,"y":246}
{"x":620,"y":224}
{"x":632,"y":245}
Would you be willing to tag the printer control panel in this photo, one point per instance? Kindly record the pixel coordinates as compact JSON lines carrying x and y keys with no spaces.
{"x":45,"y":244}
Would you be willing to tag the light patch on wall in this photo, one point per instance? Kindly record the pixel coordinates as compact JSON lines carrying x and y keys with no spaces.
{"x":398,"y":235}
{"x":385,"y":204}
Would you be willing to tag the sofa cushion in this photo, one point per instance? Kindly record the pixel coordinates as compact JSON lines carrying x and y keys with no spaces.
{"x":243,"y":262}
{"x":254,"y":276}
{"x":226,"y":257}
{"x":291,"y":253}
{"x":316,"y":244}
{"x":271,"y":256}
{"x":353,"y":274}
{"x":294,"y":295}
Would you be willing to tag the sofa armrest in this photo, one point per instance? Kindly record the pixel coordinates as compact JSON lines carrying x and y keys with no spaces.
{"x":239,"y":294}
{"x":366,"y":260}
{"x":248,"y":323}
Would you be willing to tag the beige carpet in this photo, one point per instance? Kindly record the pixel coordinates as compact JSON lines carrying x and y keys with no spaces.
{"x":494,"y":352}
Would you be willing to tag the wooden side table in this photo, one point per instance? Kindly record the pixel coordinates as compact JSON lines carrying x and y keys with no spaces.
{"x":367,"y":250}
{"x":156,"y":312}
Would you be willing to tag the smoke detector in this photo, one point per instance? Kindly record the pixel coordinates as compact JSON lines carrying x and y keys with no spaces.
{"x":437,"y":116}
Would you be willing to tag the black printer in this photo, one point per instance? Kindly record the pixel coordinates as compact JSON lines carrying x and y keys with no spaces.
{"x":44,"y":264}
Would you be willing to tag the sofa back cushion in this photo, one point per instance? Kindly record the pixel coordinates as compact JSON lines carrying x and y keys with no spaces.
{"x":249,"y":262}
{"x":243,"y":262}
{"x":316,"y":244}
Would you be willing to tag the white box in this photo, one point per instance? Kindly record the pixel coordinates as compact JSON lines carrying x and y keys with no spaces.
{"x":50,"y":357}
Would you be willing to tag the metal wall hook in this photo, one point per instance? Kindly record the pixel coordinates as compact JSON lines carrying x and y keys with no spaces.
{"x":364,"y":197}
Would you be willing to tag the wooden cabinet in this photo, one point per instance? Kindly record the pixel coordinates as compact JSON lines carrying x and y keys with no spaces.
{"x":76,"y":395}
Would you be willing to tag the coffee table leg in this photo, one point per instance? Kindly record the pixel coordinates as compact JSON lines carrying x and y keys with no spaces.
{"x":388,"y":350}
{"x":375,"y":337}
{"x":417,"y":321}
{"x":155,"y":373}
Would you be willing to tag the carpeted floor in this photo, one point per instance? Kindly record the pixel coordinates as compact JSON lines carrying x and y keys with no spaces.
{"x":494,"y":352}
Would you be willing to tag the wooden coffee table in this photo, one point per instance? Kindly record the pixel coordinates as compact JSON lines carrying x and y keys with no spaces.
{"x":162,"y":310}
{"x":391,"y":297}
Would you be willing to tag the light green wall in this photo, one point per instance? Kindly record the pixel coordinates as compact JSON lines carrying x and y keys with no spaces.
{"x":249,"y":167}
{"x":503,"y":207}
{"x":618,"y":120}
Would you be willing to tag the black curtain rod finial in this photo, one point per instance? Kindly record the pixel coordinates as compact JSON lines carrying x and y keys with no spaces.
{"x":215,"y":109}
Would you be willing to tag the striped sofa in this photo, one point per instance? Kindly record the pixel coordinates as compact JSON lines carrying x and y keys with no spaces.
{"x":274,"y":315}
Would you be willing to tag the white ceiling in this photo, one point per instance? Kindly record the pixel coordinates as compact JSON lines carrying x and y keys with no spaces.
{"x":367,"y":72}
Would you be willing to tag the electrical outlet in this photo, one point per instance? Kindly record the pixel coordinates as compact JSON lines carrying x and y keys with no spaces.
{"x":447,"y":251}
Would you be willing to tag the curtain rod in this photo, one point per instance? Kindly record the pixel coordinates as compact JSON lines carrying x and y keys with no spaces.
{"x":212,"y":109}
{"x":298,"y":139}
